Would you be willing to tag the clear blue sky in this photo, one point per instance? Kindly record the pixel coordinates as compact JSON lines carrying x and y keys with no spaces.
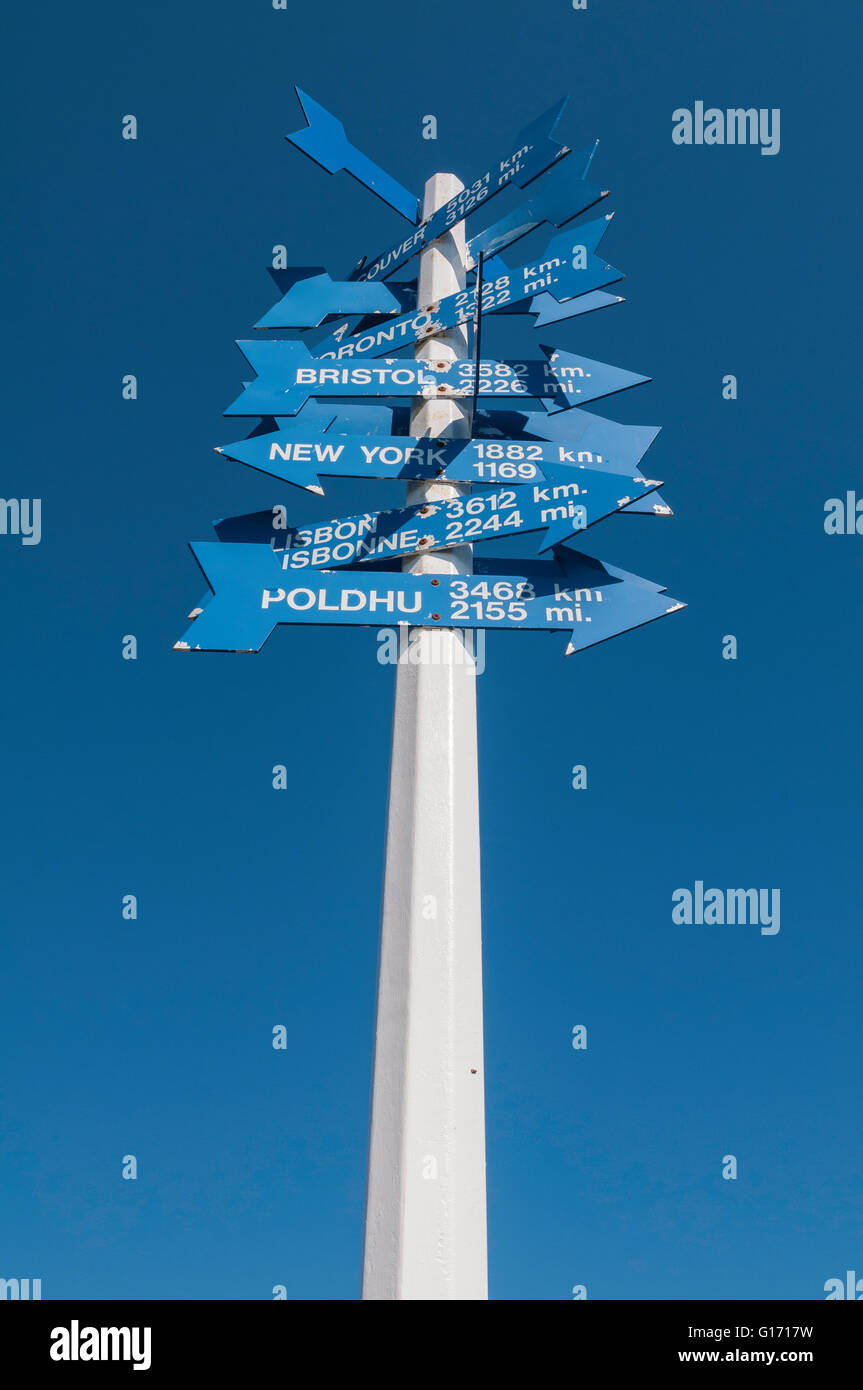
{"x":259,"y":907}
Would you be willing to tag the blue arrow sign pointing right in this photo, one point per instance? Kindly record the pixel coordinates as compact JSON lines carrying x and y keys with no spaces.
{"x":288,"y":375}
{"x":567,"y":501}
{"x":572,"y":592}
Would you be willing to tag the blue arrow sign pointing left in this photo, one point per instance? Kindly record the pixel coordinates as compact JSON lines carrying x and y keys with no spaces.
{"x":300,"y":454}
{"x":308,"y":302}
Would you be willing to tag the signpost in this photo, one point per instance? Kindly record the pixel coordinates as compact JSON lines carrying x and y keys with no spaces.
{"x":325,"y":141}
{"x":480,"y":465}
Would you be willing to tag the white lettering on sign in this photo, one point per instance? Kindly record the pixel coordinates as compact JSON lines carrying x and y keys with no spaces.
{"x":354,"y":538}
{"x":296,"y":595}
{"x":550,"y":494}
{"x":571,"y":615}
{"x":347,"y":600}
{"x":302,"y":453}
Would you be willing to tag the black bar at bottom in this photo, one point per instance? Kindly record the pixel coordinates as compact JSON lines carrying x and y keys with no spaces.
{"x":214,"y":1339}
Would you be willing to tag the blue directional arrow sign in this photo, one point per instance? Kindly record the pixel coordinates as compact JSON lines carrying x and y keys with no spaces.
{"x":602,"y":444}
{"x":559,"y":508}
{"x":570,"y":593}
{"x":562,"y":195}
{"x":308,"y":302}
{"x":543,"y":308}
{"x":532,"y":152}
{"x":567,"y":267}
{"x":585,"y":439}
{"x":288,"y":375}
{"x":302,"y":456}
{"x":325,"y":141}
{"x":595,"y":441}
{"x":549,"y":310}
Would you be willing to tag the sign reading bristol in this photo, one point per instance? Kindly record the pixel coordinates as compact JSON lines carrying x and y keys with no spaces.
{"x":288,"y":375}
{"x":537,"y":463}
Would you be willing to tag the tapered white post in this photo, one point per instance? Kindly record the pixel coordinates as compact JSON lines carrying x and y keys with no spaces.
{"x":426,"y":1212}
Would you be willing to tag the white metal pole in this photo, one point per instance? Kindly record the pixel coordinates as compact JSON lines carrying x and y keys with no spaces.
{"x":426,"y":1211}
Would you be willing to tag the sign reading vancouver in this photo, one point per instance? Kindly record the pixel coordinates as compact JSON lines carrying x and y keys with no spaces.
{"x":532,"y":152}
